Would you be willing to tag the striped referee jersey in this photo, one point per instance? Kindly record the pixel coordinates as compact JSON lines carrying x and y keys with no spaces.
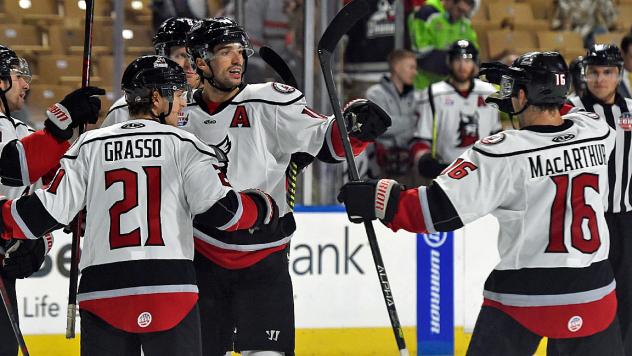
{"x":619,"y":117}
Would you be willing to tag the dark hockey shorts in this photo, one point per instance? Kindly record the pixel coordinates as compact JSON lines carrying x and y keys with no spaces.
{"x":246,"y":309}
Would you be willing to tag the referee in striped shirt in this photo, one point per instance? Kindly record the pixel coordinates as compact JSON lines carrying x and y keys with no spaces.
{"x":603,"y":72}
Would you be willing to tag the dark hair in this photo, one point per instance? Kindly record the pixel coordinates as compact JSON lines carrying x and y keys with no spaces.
{"x":139,"y":109}
{"x":626,"y":41}
{"x":399,"y":55}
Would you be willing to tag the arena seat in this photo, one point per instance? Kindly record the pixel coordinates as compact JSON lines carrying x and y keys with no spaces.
{"x":516,"y":41}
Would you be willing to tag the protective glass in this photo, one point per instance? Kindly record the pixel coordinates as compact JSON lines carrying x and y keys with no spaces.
{"x":230,"y":49}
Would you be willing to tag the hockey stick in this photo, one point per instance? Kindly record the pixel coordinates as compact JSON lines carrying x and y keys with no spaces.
{"x":278,"y":64}
{"x":341,"y":24}
{"x":299,"y":160}
{"x":75,"y":253}
{"x":13,"y":319}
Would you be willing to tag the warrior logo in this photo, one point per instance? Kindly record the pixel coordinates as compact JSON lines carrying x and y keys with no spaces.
{"x":468,"y":129}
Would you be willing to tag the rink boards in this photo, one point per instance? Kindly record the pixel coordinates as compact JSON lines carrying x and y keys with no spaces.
{"x":339,"y":306}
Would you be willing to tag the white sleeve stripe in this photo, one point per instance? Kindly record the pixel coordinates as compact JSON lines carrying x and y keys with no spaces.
{"x":236,"y":217}
{"x":18,"y":220}
{"x":330,"y":145}
{"x":23,"y":164}
{"x":425,"y":209}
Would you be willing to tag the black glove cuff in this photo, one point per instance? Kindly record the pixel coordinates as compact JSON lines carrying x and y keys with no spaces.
{"x":57,"y":132}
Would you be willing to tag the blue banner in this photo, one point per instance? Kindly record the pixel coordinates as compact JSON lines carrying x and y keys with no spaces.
{"x":435,"y":294}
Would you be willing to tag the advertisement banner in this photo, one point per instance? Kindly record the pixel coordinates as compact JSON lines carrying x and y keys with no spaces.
{"x":435,"y":291}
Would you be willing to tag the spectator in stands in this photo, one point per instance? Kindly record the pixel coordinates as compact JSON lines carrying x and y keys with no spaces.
{"x":395,"y":94}
{"x":433,"y":29}
{"x":625,"y":87}
{"x":588,"y":17}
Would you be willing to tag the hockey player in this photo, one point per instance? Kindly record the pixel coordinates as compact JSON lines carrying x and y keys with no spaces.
{"x":453,"y":113}
{"x":545,"y":183}
{"x":243,"y":278}
{"x":141,"y":182}
{"x":603,"y":72}
{"x":169,"y":42}
{"x":25,"y":157}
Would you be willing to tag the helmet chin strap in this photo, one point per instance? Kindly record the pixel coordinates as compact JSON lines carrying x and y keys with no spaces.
{"x":3,"y":97}
{"x":162,"y":116}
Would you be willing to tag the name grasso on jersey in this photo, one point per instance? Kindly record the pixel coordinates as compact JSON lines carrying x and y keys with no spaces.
{"x":571,"y":159}
{"x":132,"y":149}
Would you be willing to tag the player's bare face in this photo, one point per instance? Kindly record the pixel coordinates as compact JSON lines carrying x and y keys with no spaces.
{"x":602,"y":82}
{"x":179,"y":102}
{"x":16,"y":95}
{"x":179,"y":55}
{"x":462,"y":69}
{"x":228,"y":64}
{"x":406,"y":70}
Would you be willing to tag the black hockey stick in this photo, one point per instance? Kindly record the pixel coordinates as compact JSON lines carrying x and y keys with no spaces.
{"x":340,"y":25}
{"x":75,"y":253}
{"x":13,"y":318}
{"x":278,"y":64}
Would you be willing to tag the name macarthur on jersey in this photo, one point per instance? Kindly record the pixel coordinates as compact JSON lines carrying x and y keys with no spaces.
{"x":570,"y":160}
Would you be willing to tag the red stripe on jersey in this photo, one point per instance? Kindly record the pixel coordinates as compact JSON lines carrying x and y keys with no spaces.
{"x":357,"y":146}
{"x":559,"y":321}
{"x":128,"y":312}
{"x":409,"y":215}
{"x":418,"y":148}
{"x":11,"y":228}
{"x":248,"y":216}
{"x":43,"y":152}
{"x":565,"y":109}
{"x":231,"y":259}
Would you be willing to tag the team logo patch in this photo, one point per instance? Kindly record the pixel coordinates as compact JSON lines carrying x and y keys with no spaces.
{"x":144,"y":319}
{"x":575,"y":323}
{"x":625,"y":121}
{"x":182,"y":119}
{"x":133,"y":125}
{"x":448,"y":101}
{"x":283,"y":89}
{"x":493,"y":139}
{"x":563,"y":138}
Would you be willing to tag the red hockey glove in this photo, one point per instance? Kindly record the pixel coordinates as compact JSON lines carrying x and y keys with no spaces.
{"x":268,"y":211}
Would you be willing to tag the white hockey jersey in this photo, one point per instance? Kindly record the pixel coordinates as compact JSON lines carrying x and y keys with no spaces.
{"x":258,"y":130}
{"x":117,"y":113}
{"x":546,"y":186}
{"x":14,"y":129}
{"x":455,"y":120}
{"x":141,"y":182}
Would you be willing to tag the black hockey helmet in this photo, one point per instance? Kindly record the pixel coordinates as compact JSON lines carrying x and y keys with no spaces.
{"x":463,"y":49}
{"x":607,"y":55}
{"x":10,"y":62}
{"x":208,"y":33}
{"x":172,"y":32}
{"x":542,"y":75}
{"x":576,"y":70}
{"x":149,"y":73}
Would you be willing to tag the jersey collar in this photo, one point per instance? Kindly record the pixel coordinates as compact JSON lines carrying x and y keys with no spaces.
{"x":198,"y":98}
{"x":567,"y":124}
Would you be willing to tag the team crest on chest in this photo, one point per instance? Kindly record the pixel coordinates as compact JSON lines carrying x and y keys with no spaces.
{"x":468,"y":129}
{"x":625,"y":121}
{"x":283,"y":89}
{"x":240,"y":118}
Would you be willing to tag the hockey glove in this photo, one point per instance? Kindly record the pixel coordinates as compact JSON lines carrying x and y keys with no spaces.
{"x":25,"y":257}
{"x":370,"y":200}
{"x":77,"y":108}
{"x":429,"y":167}
{"x":365,"y":120}
{"x":267,"y":210}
